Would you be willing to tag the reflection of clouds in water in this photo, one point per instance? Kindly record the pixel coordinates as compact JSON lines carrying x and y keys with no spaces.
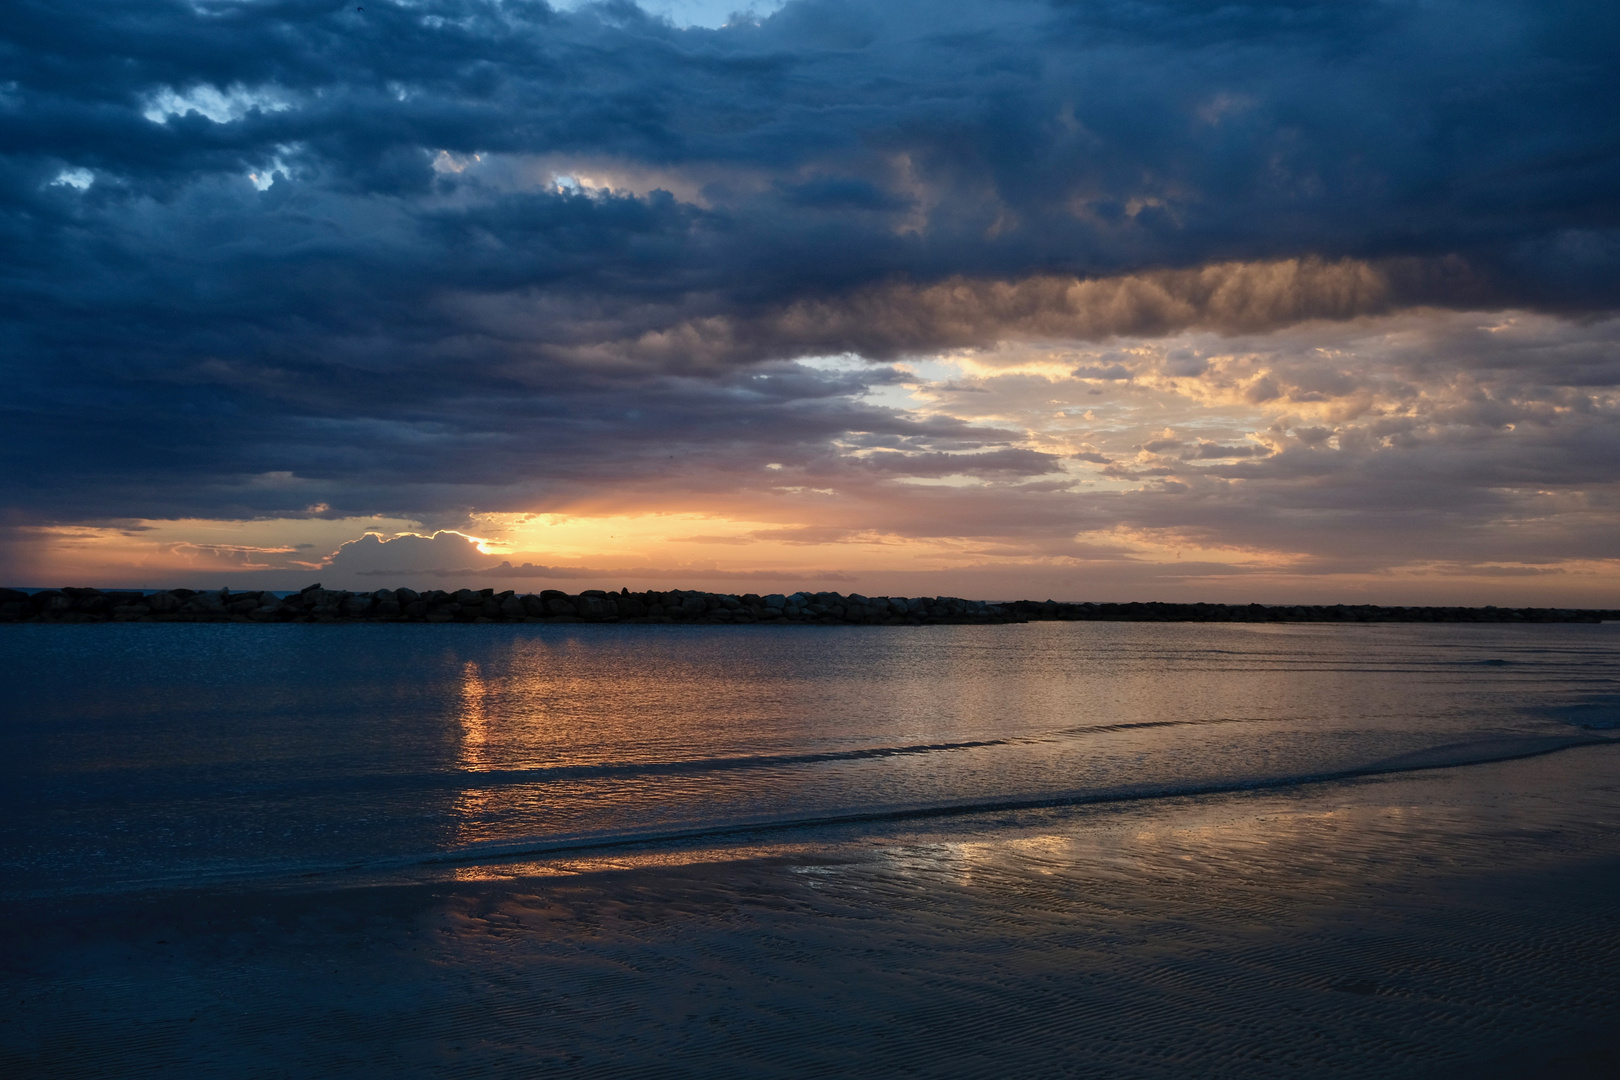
{"x":973,"y":862}
{"x":1239,"y":839}
{"x":575,"y":865}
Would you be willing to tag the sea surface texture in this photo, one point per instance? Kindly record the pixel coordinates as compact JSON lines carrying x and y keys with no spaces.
{"x":1054,"y":849}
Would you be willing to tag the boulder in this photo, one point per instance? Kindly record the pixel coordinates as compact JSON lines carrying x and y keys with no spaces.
{"x":595,"y":607}
{"x":316,"y":603}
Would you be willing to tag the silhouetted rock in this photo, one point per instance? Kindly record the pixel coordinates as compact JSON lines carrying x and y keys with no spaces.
{"x":317,"y":604}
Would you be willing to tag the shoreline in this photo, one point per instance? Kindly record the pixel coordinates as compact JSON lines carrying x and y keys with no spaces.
{"x":315,"y":604}
{"x":1351,"y":930}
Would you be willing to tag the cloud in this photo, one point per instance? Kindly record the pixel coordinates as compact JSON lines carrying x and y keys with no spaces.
{"x":220,"y":106}
{"x":74,"y":178}
{"x":1209,"y":450}
{"x":461,"y":257}
{"x":1011,"y":461}
{"x":372,"y":556}
{"x":665,"y":575}
{"x":452,"y":556}
{"x":899,"y":318}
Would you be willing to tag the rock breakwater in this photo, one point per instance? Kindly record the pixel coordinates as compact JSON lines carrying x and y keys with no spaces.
{"x":317,"y":604}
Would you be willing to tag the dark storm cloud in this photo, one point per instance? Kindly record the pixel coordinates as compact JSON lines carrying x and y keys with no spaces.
{"x":411,"y":316}
{"x":432,"y":443}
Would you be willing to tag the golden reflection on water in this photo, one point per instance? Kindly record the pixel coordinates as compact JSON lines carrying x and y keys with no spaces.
{"x":547,"y":704}
{"x":690,"y":729}
{"x":474,"y":718}
{"x":576,"y":865}
{"x":475,"y":721}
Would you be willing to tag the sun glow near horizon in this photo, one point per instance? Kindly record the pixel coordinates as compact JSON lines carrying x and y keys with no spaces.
{"x":1284,"y":466}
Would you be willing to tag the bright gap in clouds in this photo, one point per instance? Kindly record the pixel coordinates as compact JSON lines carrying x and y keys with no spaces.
{"x":221,"y":106}
{"x":80,"y":179}
{"x":707,"y":14}
{"x":1310,"y":463}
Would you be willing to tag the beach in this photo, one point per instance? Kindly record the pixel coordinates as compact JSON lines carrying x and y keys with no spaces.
{"x":1404,"y":926}
{"x":1451,"y":915}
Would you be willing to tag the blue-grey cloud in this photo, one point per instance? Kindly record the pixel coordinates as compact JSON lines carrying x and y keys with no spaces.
{"x":461,"y":254}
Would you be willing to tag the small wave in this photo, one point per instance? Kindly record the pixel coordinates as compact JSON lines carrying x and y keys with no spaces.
{"x":1478,"y":751}
{"x":481,"y":779}
{"x":281,"y":873}
{"x":475,"y":779}
{"x":630,"y":769}
{"x":1594,"y":714}
{"x":1450,"y":756}
{"x":751,"y":761}
{"x":1136,"y":725}
{"x":544,"y":773}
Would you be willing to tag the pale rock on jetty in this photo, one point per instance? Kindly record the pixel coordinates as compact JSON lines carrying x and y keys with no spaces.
{"x":319,"y":605}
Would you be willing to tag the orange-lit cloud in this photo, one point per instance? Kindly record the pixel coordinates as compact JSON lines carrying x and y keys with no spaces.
{"x":1149,"y":466}
{"x":1025,"y":298}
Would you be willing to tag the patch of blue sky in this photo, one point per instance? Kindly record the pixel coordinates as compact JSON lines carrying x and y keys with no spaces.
{"x":707,"y":14}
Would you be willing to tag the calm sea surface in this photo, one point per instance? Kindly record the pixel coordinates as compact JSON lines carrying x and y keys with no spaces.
{"x":144,"y":755}
{"x":1085,"y":849}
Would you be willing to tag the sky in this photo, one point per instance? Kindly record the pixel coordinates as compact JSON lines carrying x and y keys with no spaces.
{"x":1301,"y":302}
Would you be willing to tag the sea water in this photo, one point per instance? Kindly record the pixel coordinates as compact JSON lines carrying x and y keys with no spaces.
{"x":140,"y":755}
{"x":1087,"y":849}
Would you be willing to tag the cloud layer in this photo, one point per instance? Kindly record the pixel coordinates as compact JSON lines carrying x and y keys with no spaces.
{"x":437,"y":260}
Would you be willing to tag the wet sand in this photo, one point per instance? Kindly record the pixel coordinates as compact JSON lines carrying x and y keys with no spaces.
{"x":1460,"y":922}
